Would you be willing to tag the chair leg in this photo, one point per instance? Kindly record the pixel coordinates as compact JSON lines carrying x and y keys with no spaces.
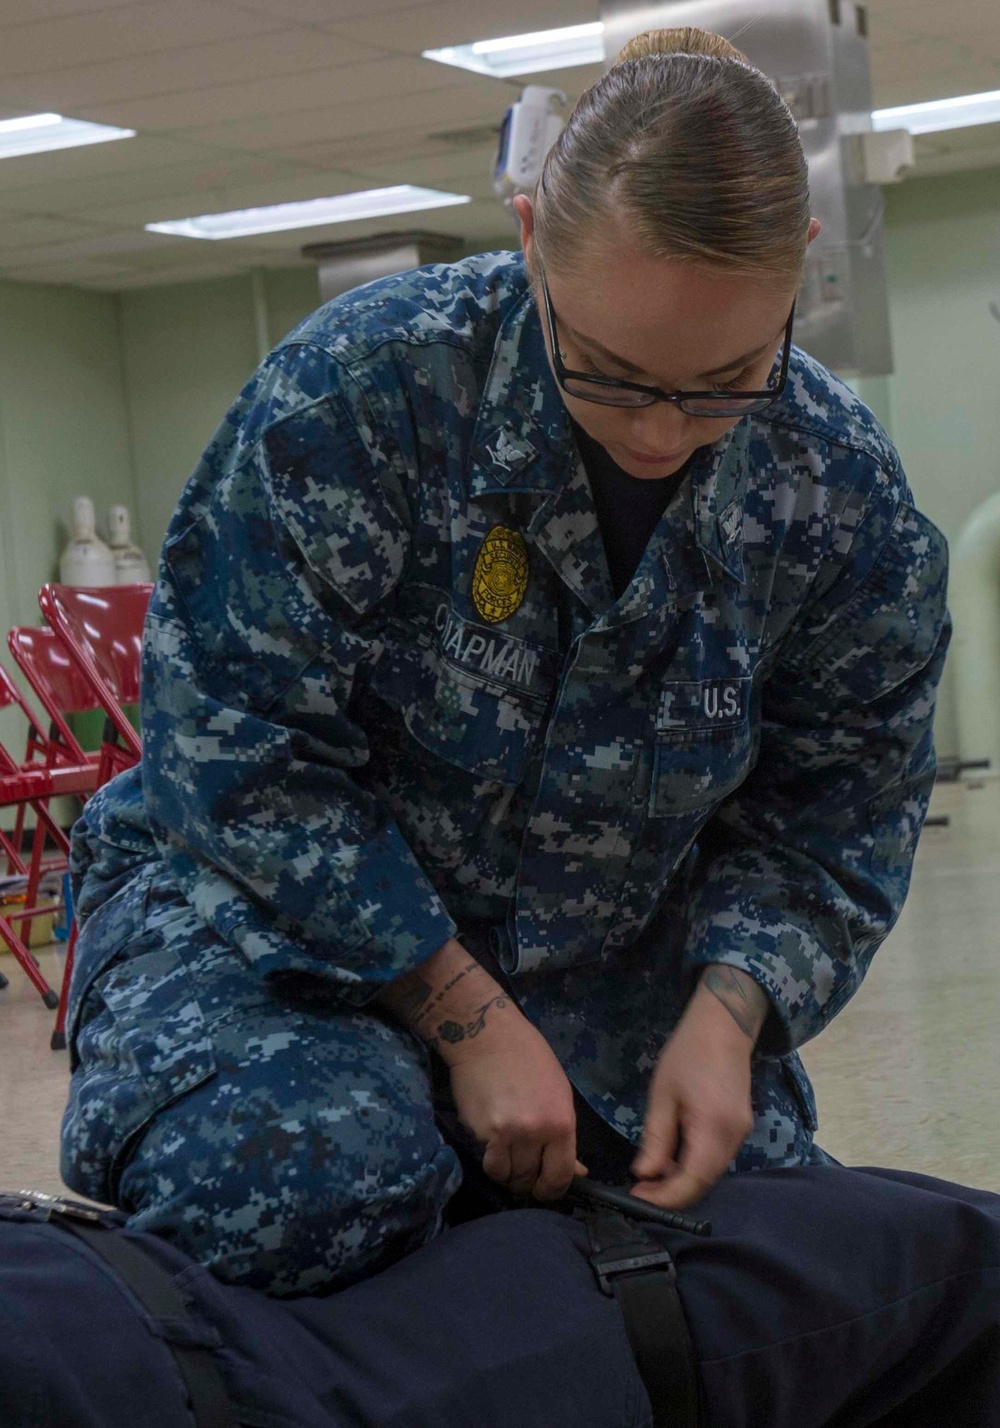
{"x":28,"y":964}
{"x":17,"y":837}
{"x":34,"y":874}
{"x":58,"y":1042}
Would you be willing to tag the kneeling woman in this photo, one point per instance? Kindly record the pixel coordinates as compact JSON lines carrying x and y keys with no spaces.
{"x":536,"y":712}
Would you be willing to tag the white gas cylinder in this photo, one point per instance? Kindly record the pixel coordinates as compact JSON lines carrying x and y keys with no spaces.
{"x":86,"y":559}
{"x":131,"y":566}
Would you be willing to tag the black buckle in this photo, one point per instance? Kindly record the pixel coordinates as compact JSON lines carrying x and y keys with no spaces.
{"x":610,"y":1265}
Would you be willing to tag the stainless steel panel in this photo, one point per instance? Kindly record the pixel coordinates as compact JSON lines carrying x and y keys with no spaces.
{"x":343,"y":266}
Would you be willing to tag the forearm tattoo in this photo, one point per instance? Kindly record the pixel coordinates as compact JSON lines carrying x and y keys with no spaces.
{"x":415,"y":1002}
{"x":455,"y":1031}
{"x":434,"y":999}
{"x":745,"y":1001}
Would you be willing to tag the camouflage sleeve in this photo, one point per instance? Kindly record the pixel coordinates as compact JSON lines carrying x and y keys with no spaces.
{"x":272,"y":593}
{"x":804,"y":870}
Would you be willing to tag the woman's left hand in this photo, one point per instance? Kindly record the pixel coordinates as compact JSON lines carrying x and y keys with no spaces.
{"x":699,"y":1113}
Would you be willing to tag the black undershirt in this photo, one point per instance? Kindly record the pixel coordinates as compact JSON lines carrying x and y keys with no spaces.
{"x":628,"y":507}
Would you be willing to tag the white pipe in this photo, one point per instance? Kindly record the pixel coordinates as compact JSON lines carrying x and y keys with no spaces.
{"x":262,"y":326}
{"x":974,"y":596}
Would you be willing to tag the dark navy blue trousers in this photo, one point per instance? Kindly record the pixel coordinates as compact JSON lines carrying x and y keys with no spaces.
{"x":826,"y":1296}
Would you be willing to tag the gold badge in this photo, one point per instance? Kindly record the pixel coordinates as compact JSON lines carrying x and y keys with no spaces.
{"x":501,"y":574}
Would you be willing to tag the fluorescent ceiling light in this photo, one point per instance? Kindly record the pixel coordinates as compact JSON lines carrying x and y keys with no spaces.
{"x":40,"y":133}
{"x":371,"y":203}
{"x":528,"y":54}
{"x":960,"y":113}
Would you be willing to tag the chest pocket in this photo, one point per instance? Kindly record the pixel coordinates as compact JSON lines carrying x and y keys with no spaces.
{"x":704,"y":745}
{"x":486,"y":726}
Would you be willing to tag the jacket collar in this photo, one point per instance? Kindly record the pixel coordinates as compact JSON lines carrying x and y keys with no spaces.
{"x":523,"y":442}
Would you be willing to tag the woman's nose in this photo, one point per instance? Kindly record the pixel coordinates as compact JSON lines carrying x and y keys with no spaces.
{"x":659,"y":429}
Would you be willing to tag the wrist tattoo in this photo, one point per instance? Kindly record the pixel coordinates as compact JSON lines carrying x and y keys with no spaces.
{"x":455,"y":1031}
{"x":743,"y":999}
{"x":428,"y":1005}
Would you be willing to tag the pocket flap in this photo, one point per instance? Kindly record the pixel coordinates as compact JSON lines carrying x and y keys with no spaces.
{"x":479,"y":723}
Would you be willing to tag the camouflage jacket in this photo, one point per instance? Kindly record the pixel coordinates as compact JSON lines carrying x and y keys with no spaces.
{"x":389,"y":694}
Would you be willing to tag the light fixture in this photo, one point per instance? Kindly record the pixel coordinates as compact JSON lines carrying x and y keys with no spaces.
{"x":959,"y":113}
{"x":346,"y":208}
{"x":527,"y":54}
{"x":40,"y":133}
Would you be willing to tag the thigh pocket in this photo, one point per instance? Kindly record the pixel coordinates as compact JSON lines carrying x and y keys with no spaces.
{"x":145,"y":1044}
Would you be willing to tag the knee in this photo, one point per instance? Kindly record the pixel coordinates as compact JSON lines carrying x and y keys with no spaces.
{"x":286,"y":1202}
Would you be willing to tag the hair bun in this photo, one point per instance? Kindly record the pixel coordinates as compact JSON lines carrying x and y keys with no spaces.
{"x":685,"y":40}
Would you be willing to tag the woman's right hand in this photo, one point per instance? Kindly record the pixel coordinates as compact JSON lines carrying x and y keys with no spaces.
{"x":514,"y":1097}
{"x":509,"y":1089}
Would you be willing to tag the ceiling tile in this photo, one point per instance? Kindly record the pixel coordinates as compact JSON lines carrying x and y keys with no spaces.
{"x":23,"y":12}
{"x":446,"y":169}
{"x":208,"y":178}
{"x":287,"y":188}
{"x":356,"y":153}
{"x":482,"y":99}
{"x":917,"y":61}
{"x":292,"y":93}
{"x":34,"y":231}
{"x":943,"y":84}
{"x":77,"y":167}
{"x":121,"y":32}
{"x":325,"y":12}
{"x":291,"y":52}
{"x":104,"y":247}
{"x":962,"y":22}
{"x":457,"y":22}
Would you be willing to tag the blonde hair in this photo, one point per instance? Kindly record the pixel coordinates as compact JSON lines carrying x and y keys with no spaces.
{"x":692,"y":150}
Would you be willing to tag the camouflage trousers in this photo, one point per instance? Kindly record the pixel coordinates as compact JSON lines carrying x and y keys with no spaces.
{"x":286,"y":1143}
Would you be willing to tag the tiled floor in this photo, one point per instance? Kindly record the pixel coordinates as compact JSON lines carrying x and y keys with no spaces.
{"x":908,"y":1075}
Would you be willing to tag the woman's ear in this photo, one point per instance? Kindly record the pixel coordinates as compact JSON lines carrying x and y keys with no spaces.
{"x":526,"y":218}
{"x":815,"y":228}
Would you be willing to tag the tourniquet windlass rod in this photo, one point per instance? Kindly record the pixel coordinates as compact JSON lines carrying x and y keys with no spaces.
{"x":586,"y":1192}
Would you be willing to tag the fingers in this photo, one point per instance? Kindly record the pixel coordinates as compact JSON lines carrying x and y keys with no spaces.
{"x":496,"y":1161}
{"x":558,"y":1168}
{"x":525,"y":1167}
{"x":540,"y":1169}
{"x":704,"y":1158}
{"x":660,"y":1136}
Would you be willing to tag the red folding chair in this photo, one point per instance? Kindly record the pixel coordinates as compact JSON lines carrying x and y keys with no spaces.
{"x":101,"y":628}
{"x":57,"y":684}
{"x":32,"y":784}
{"x":53,"y":679}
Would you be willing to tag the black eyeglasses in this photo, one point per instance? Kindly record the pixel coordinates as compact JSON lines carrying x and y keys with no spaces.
{"x":611,"y":392}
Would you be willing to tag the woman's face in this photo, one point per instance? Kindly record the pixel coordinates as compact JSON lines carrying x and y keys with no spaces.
{"x":666,"y":324}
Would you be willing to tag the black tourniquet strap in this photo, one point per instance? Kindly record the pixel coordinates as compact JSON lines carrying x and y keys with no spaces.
{"x":640,"y":1273}
{"x":208,"y":1398}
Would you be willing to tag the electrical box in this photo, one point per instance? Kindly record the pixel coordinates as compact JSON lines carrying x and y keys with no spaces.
{"x":816,"y":52}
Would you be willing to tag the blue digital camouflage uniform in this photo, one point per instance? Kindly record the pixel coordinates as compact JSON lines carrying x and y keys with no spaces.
{"x":389,"y":697}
